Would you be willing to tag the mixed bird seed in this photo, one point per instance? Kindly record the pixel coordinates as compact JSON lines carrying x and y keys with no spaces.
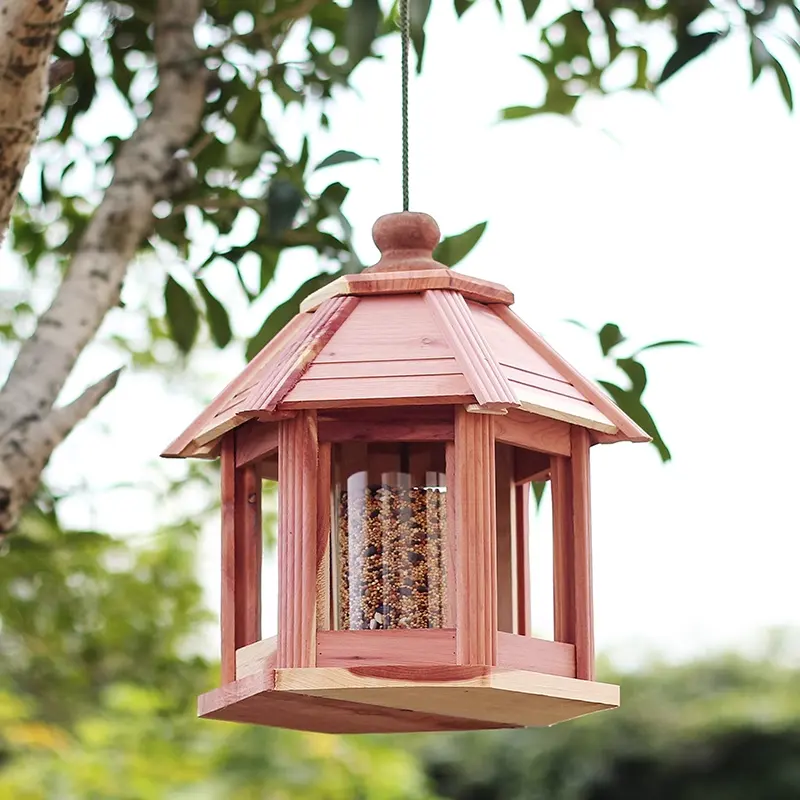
{"x":392,"y":571}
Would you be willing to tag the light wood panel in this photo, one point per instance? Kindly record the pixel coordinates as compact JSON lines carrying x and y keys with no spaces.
{"x":410,"y":282}
{"x":557,"y":406}
{"x":533,"y":433}
{"x":297,"y":541}
{"x":536,"y":655}
{"x":476,"y":546}
{"x":253,"y":700}
{"x":258,"y":657}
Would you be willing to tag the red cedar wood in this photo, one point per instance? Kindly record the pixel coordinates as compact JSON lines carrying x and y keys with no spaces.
{"x":248,"y":539}
{"x":563,"y":555}
{"x":529,"y":465}
{"x":412,"y":424}
{"x":474,"y":356}
{"x":228,"y":596}
{"x":536,"y":655}
{"x":257,"y":657}
{"x":522,"y":493}
{"x":396,"y":647}
{"x":476,"y":558}
{"x":628,"y":429}
{"x":410,"y":282}
{"x":451,"y":536}
{"x":297,"y":357}
{"x":533,"y":432}
{"x":507,"y":606}
{"x":379,"y":390}
{"x":253,"y":700}
{"x":255,"y":441}
{"x":582,"y":538}
{"x":324,"y":539}
{"x":297,"y":541}
{"x":183,"y":446}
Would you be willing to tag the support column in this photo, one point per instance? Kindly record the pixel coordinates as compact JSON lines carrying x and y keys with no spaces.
{"x":522,"y":495}
{"x":476,"y":535}
{"x":240,"y":614}
{"x":297,"y":540}
{"x":582,"y":537}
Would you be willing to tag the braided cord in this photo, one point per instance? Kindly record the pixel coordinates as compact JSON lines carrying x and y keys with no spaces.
{"x":405,"y":28}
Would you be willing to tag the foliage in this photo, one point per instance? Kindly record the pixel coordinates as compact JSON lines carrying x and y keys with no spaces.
{"x":725,"y":727}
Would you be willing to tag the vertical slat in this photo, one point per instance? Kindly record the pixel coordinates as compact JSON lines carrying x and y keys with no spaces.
{"x":522,"y":514}
{"x":451,"y":607}
{"x":228,"y":596}
{"x":582,"y":539}
{"x":563,"y":571}
{"x":476,"y":561}
{"x":248,"y":543}
{"x":506,"y":540}
{"x":297,"y":540}
{"x":324,"y":489}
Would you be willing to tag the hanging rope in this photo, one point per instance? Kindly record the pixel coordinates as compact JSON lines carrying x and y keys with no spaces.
{"x":405,"y":28}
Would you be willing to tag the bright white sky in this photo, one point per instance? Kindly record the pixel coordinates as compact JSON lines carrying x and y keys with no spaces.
{"x":674,"y":217}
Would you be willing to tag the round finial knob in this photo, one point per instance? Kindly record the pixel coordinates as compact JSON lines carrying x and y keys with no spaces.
{"x":406,"y":241}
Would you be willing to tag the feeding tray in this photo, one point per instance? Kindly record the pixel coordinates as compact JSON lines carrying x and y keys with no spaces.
{"x":404,"y":413}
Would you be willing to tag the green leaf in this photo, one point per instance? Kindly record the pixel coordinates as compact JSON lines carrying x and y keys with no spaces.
{"x":462,"y":6}
{"x":539,"y":488}
{"x":636,"y":373}
{"x":633,"y":407}
{"x":666,"y":343}
{"x":182,"y":316}
{"x":783,"y":82}
{"x":453,"y":249}
{"x":518,"y":112}
{"x":530,"y":7}
{"x":283,"y":202}
{"x":418,"y":13}
{"x":759,"y":55}
{"x":688,"y":49}
{"x":218,"y":322}
{"x":363,"y":19}
{"x":341,"y":157}
{"x":286,"y":311}
{"x":269,"y":263}
{"x":610,"y":336}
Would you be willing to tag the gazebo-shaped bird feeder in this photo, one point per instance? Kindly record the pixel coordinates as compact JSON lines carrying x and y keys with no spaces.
{"x":404,"y":413}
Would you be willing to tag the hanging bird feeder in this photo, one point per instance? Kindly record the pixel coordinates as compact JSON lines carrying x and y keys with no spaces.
{"x":404,"y":413}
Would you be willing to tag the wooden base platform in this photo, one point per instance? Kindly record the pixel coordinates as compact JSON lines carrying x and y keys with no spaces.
{"x":399,"y":699}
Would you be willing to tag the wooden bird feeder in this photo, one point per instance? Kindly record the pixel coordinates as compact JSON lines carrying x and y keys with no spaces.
{"x":404,"y":413}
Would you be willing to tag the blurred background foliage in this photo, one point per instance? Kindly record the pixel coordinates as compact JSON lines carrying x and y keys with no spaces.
{"x":103,"y":642}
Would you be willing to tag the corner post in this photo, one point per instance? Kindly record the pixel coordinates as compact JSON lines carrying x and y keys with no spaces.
{"x":298,"y":459}
{"x":582,"y":553}
{"x":476,"y":539}
{"x":240,"y":613}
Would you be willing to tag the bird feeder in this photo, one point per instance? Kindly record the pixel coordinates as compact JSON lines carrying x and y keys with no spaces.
{"x":404,"y":413}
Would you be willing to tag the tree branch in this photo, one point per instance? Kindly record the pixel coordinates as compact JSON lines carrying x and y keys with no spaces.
{"x":27,"y":448}
{"x":28,"y":30}
{"x":146,"y":171}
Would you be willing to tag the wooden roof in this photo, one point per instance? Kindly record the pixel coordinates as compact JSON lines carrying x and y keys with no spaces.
{"x":407,"y":332}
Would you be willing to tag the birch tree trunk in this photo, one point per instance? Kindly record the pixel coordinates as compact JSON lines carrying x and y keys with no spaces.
{"x":145,"y":171}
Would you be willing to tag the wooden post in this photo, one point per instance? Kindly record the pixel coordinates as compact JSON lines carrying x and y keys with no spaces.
{"x":324,"y":489}
{"x":507,"y":588}
{"x":582,"y":539}
{"x":297,"y":540}
{"x":240,"y":614}
{"x":476,"y":546}
{"x":563,"y":559}
{"x":522,"y":512}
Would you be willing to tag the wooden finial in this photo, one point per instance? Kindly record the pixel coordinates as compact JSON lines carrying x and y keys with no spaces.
{"x":406,"y":241}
